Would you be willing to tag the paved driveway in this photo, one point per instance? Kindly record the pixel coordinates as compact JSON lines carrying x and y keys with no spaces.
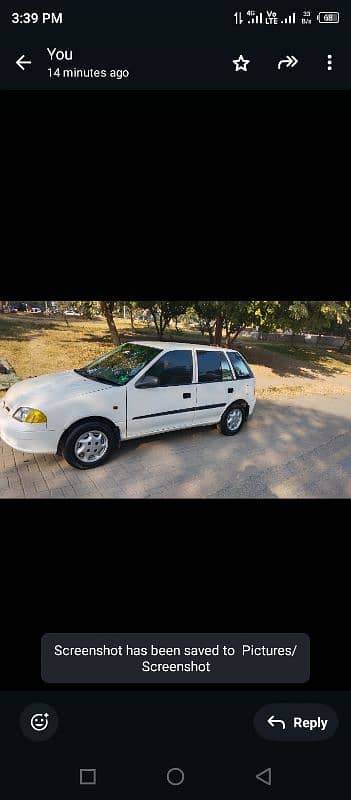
{"x":290,"y":448}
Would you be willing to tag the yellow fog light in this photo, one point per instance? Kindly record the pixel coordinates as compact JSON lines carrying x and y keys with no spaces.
{"x":30,"y":415}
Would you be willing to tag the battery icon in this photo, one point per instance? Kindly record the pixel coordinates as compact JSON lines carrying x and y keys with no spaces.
{"x":328,"y":16}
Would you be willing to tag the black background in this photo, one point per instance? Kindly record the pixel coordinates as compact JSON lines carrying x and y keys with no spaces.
{"x":106,"y":567}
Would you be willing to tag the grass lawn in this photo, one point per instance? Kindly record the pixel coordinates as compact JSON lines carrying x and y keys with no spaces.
{"x":37,"y":346}
{"x":317,"y":355}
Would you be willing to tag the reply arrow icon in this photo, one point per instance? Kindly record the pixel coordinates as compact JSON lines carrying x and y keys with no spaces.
{"x":20,"y":62}
{"x":273,"y":722}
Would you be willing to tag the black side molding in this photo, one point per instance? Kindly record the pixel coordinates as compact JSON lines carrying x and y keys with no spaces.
{"x":181,"y":411}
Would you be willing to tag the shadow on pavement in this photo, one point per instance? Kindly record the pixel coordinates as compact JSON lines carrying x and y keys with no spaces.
{"x":285,"y":450}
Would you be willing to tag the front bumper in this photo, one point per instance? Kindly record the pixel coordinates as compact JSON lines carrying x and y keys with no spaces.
{"x":21,"y":436}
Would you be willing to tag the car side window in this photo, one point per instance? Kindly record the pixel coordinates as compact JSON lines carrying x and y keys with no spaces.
{"x":213,"y":366}
{"x":174,"y":368}
{"x":241,"y":369}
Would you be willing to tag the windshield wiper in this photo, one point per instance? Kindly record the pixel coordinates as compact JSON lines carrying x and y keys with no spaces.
{"x":94,"y":377}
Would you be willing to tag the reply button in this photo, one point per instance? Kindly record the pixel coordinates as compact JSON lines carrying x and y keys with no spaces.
{"x":286,"y":722}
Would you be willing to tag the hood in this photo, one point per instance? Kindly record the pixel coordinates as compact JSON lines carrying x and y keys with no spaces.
{"x":38,"y":392}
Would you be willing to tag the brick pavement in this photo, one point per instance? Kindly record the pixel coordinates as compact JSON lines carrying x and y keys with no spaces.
{"x":299,"y":448}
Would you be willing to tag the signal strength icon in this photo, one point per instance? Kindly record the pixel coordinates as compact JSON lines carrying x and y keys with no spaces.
{"x":256,"y":19}
{"x":290,"y":20}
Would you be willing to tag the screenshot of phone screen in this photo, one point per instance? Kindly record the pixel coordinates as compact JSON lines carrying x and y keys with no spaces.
{"x":187,"y":45}
{"x":159,"y":640}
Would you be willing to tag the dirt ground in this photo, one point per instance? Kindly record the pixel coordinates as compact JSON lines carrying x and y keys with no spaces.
{"x":38,"y":346}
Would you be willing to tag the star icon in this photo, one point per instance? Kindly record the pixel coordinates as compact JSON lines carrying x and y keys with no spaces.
{"x":241,"y":63}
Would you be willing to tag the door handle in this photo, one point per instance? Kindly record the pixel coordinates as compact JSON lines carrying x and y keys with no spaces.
{"x":186,"y":395}
{"x":230,"y":390}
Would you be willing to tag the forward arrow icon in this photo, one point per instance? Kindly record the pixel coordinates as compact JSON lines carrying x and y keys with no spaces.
{"x":289,"y":61}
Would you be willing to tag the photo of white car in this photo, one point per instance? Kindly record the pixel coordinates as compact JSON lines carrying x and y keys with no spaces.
{"x":137,"y":389}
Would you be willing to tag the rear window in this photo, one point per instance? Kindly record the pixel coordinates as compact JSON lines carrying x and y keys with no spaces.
{"x":240,"y":367}
{"x":213,"y":366}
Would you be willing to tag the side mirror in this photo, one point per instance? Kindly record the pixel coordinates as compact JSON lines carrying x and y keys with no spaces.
{"x":147,"y":382}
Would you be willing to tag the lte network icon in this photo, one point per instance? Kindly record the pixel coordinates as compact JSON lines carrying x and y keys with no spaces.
{"x":87,"y":777}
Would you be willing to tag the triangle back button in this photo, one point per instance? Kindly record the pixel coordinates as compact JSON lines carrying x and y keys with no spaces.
{"x":265,"y":776}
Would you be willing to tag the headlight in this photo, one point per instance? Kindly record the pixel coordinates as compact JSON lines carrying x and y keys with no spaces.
{"x":24,"y":414}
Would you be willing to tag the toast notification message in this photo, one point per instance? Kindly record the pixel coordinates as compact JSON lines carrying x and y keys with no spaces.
{"x":128,"y":658}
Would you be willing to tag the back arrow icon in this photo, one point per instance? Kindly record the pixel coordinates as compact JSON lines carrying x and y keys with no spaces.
{"x":289,"y":61}
{"x":265,"y":776}
{"x":20,"y":62}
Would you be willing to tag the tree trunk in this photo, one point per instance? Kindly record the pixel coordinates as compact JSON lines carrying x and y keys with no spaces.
{"x":203,"y":327}
{"x":210,"y":333}
{"x":343,"y":344}
{"x":131,"y":320}
{"x":218,"y":331}
{"x":163,"y":325}
{"x":107,"y":312}
{"x":156,"y":323}
{"x":238,"y":330}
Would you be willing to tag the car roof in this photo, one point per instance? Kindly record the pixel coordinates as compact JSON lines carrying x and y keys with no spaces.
{"x":180,"y":345}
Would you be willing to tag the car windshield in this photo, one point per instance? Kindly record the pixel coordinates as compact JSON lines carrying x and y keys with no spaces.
{"x":120,"y":365}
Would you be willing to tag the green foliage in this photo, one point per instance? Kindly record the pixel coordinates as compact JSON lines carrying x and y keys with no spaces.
{"x":88,"y":308}
{"x":232,"y":316}
{"x":163,"y":311}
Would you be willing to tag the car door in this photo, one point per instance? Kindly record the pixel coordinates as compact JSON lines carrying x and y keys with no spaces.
{"x":170,"y":404}
{"x":215,"y":386}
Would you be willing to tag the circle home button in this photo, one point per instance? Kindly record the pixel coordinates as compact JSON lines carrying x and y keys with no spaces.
{"x":175,"y":776}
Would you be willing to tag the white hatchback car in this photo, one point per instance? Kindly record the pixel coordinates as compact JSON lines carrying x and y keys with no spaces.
{"x":138,"y":389}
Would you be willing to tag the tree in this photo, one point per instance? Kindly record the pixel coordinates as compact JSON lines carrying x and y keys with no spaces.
{"x":233,"y":315}
{"x":87,"y":308}
{"x":132,"y":306}
{"x":107,"y":308}
{"x":312,"y":316}
{"x":238,"y":314}
{"x":346,"y":324}
{"x":205,"y":311}
{"x":163,"y":311}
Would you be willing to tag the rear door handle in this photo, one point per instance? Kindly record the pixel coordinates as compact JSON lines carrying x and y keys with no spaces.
{"x":186,"y":395}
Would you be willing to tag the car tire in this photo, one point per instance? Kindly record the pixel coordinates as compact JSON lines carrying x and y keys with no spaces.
{"x":232,"y":420}
{"x":89,"y":444}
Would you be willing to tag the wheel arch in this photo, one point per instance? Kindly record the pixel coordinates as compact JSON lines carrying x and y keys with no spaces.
{"x":242,"y":404}
{"x":115,"y":429}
